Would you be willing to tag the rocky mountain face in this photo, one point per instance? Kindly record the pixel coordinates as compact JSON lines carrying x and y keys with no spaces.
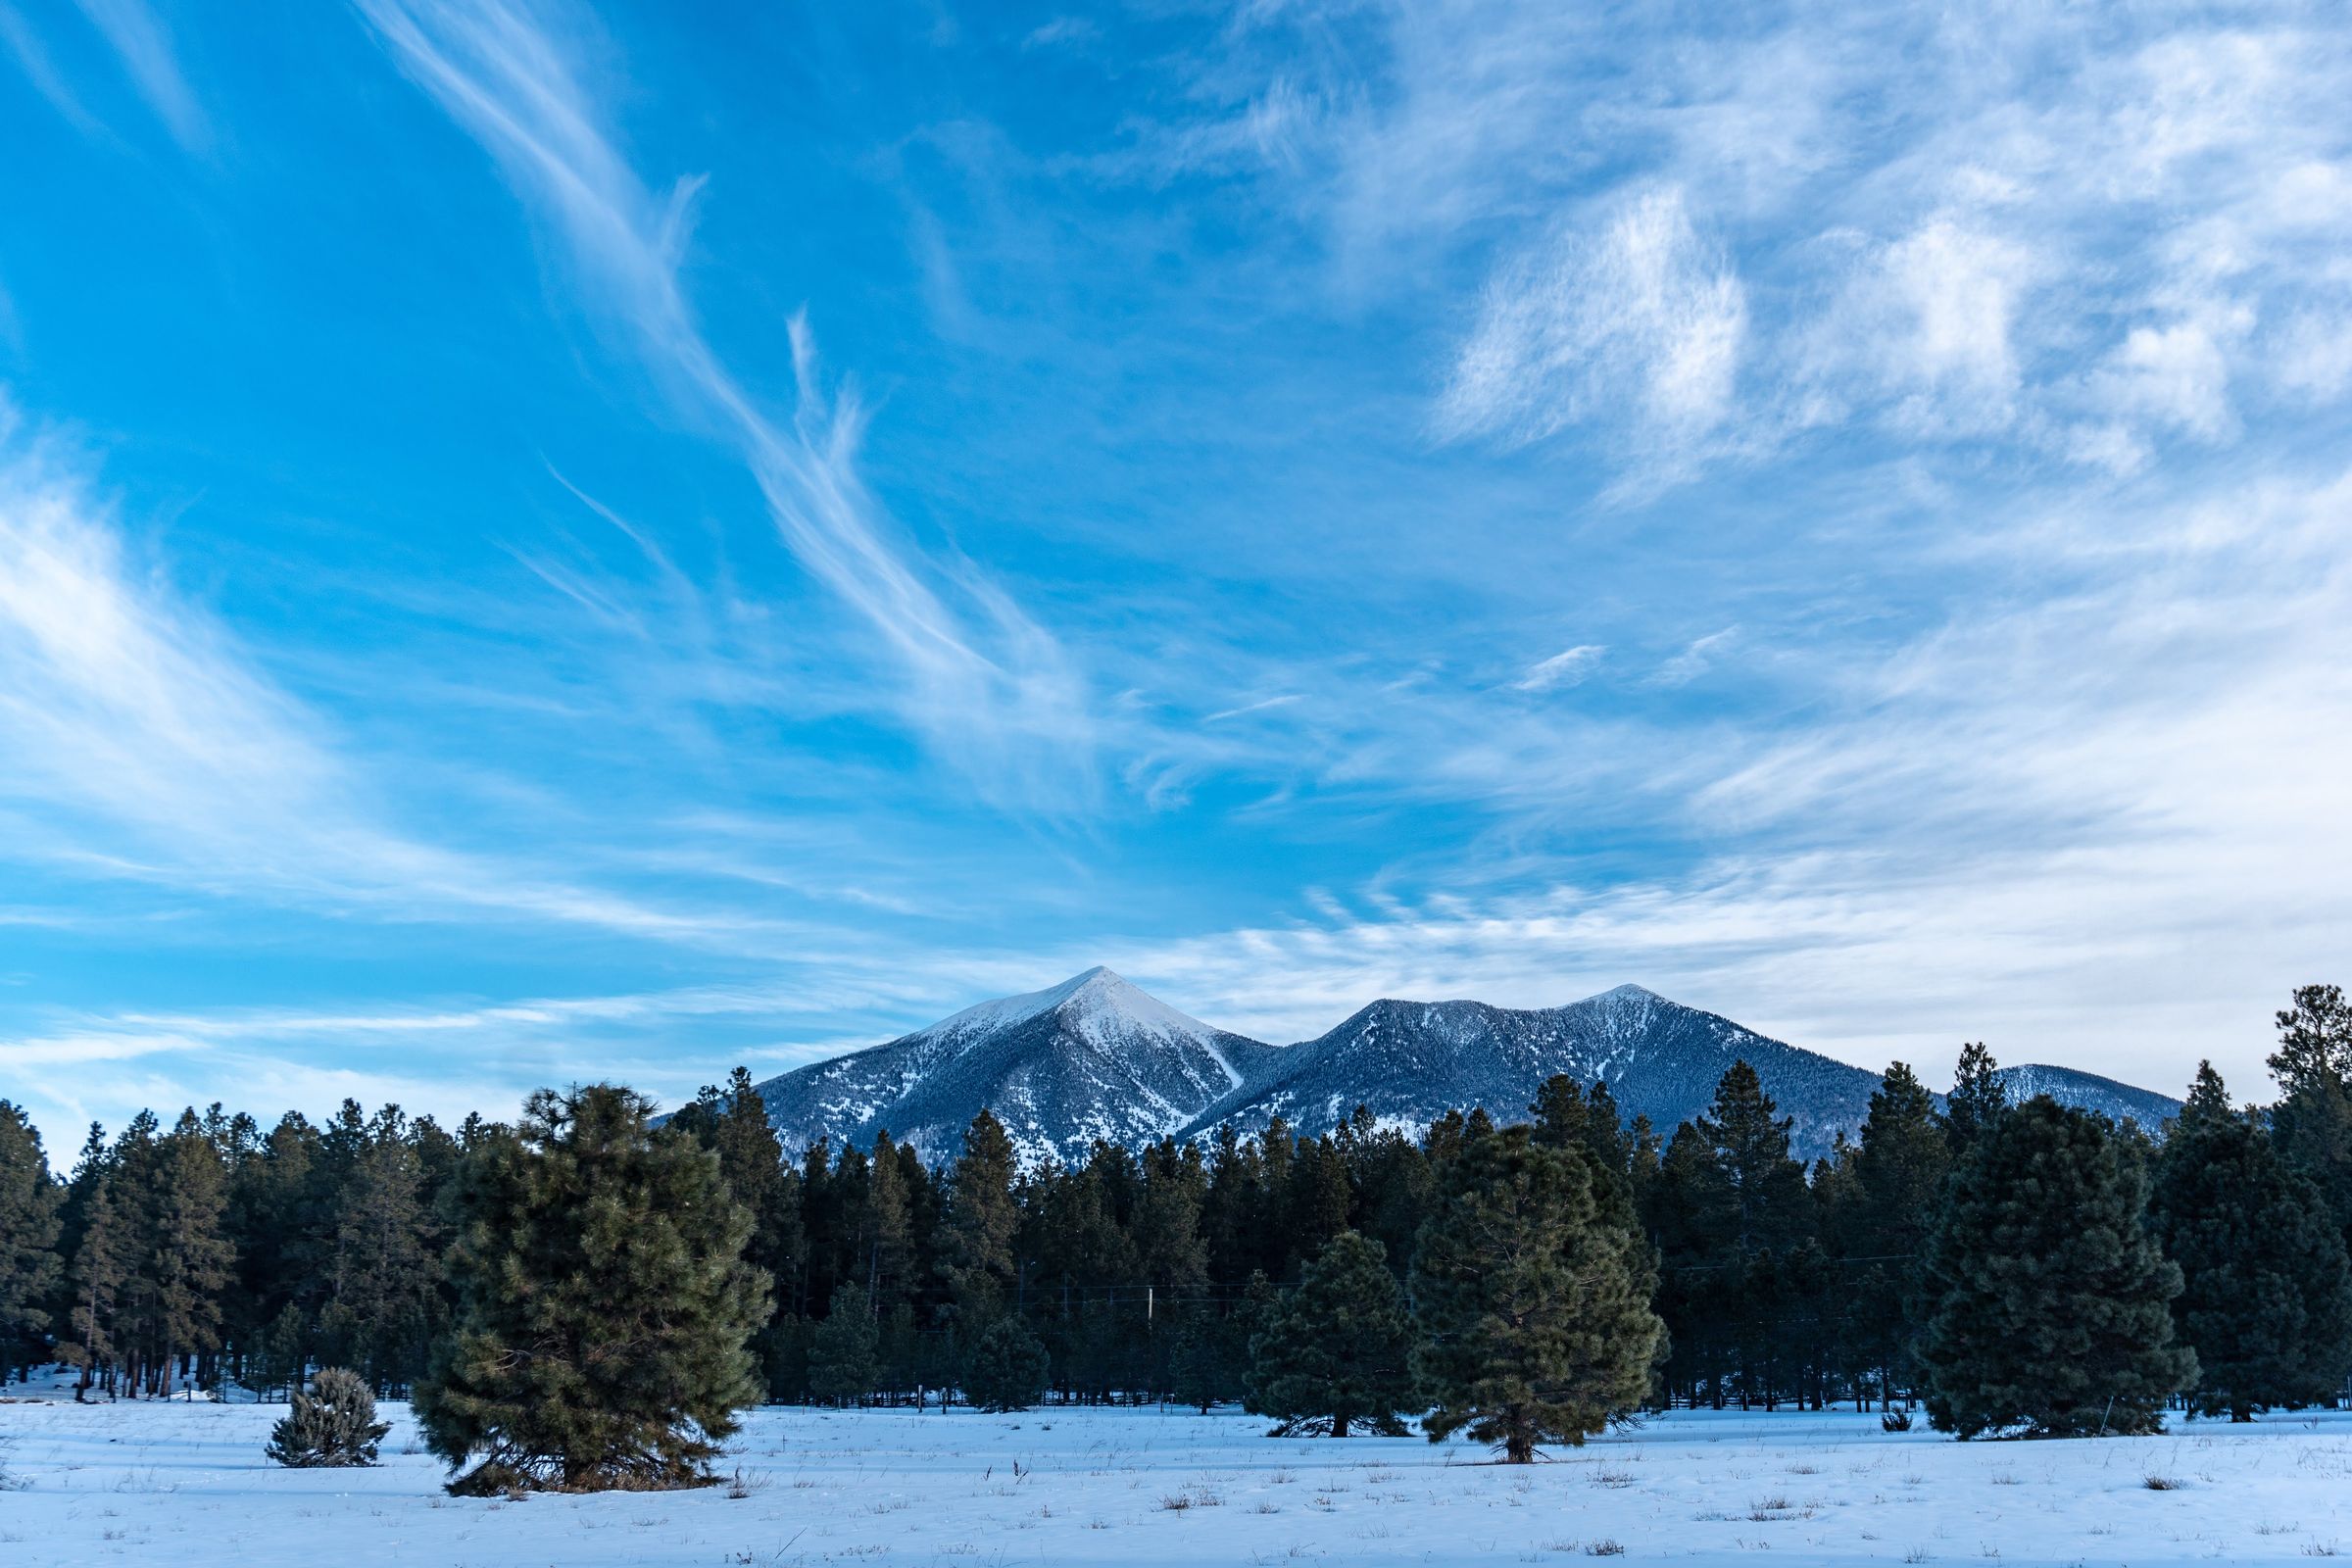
{"x":1096,"y":1057}
{"x":1412,"y":1062}
{"x":1093,"y":1057}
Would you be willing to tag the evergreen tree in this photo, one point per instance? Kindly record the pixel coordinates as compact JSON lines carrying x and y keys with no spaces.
{"x":384,"y":1302}
{"x":2051,"y":1303}
{"x":172,"y":1193}
{"x":1763,"y":1188}
{"x":101,"y":1259}
{"x":1899,"y":1169}
{"x":30,"y":1273}
{"x":604,"y":1304}
{"x":980,"y":1223}
{"x":1536,"y":1324}
{"x":1337,"y":1349}
{"x":734,"y":1123}
{"x":844,"y":1350}
{"x":1203,"y":1372}
{"x":331,"y":1426}
{"x":1976,"y":1101}
{"x":1005,"y":1367}
{"x":2267,"y":1298}
{"x":2312,"y":1122}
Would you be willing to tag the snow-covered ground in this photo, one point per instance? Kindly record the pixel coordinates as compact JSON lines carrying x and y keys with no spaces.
{"x":186,"y":1485}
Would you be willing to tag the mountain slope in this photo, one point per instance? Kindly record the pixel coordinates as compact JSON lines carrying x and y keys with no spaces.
{"x":1412,"y":1062}
{"x":2087,"y":1090}
{"x":1092,"y":1057}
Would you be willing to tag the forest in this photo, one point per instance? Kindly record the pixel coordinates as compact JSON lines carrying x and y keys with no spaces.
{"x":2013,"y":1266}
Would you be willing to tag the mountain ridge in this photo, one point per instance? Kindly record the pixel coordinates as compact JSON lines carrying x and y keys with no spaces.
{"x":1098,"y":1057}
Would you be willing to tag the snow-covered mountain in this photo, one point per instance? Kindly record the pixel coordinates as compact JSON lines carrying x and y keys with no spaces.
{"x":1092,"y":1057}
{"x":2087,"y":1090}
{"x":1095,"y":1058}
{"x":1412,"y":1062}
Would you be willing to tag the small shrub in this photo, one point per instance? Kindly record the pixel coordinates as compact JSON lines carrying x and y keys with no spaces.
{"x":2157,"y":1483}
{"x":332,"y":1424}
{"x":1605,"y":1548}
{"x":1895,"y":1421}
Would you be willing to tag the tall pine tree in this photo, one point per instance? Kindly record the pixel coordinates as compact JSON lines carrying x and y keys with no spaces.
{"x":2266,"y":1296}
{"x":1536,"y":1318}
{"x":2052,"y":1305}
{"x":1899,"y":1170}
{"x":605,"y":1306}
{"x":1336,"y":1352}
{"x":30,"y":1273}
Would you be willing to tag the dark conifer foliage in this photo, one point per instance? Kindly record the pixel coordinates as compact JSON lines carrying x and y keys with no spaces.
{"x":32,"y":1273}
{"x":585,"y":1232}
{"x":1005,"y":1367}
{"x":843,"y":1351}
{"x":1336,"y":1350}
{"x":2052,"y":1305}
{"x":1534,"y":1307}
{"x":1898,"y":1172}
{"x":2313,"y":1119}
{"x":2266,"y":1296}
{"x":331,"y":1426}
{"x":1976,"y":1101}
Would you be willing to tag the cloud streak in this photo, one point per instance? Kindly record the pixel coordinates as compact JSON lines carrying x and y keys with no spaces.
{"x":139,"y":37}
{"x":984,"y":682}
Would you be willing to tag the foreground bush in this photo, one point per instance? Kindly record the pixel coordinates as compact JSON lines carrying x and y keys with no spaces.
{"x":332,"y":1424}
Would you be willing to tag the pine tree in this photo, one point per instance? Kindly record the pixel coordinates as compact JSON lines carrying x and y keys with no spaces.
{"x":101,"y":1264}
{"x":1764,"y":1188}
{"x":171,"y":1193}
{"x":331,"y":1426}
{"x":1976,"y":1101}
{"x":2051,"y":1303}
{"x":1899,"y":1170}
{"x":1337,"y":1349}
{"x":1536,"y":1324}
{"x":1005,"y":1367}
{"x":382,"y":1312}
{"x":30,"y":1272}
{"x":1202,"y":1370}
{"x":2312,"y":1122}
{"x":604,"y":1304}
{"x":844,"y":1351}
{"x":2267,"y":1298}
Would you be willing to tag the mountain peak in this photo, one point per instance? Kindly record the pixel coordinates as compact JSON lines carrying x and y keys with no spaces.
{"x":1629,"y":992}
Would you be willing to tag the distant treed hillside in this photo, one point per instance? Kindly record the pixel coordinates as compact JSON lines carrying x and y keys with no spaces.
{"x":1097,"y":1058}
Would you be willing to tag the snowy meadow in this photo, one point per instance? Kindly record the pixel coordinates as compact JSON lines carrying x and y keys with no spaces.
{"x":186,"y":1482}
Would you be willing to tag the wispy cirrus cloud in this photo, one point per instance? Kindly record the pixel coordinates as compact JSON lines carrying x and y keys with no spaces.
{"x":975,"y":675}
{"x":144,"y":45}
{"x":139,"y":740}
{"x":1568,"y":667}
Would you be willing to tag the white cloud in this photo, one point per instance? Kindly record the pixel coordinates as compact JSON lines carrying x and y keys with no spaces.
{"x":1694,"y":661}
{"x":1568,"y":667}
{"x":145,"y":744}
{"x":985,"y":683}
{"x":1643,"y":315}
{"x":139,"y":37}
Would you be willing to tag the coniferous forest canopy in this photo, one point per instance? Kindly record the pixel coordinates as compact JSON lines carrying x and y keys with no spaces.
{"x":1525,"y":1275}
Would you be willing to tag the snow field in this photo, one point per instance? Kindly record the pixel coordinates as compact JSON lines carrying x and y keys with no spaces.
{"x":186,"y":1485}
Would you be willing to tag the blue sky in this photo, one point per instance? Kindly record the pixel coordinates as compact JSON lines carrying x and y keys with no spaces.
{"x":541,"y":542}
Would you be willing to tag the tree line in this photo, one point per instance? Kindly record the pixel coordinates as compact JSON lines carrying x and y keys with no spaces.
{"x":2014,"y":1267}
